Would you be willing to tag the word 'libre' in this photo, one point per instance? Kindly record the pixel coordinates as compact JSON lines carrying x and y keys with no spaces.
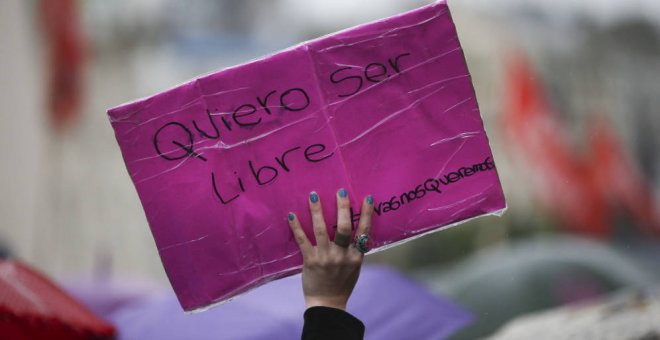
{"x":266,"y":174}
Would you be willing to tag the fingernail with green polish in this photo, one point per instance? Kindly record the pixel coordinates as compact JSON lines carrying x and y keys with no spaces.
{"x":370,"y":199}
{"x":342,"y":193}
{"x":292,"y":216}
{"x":314,"y":197}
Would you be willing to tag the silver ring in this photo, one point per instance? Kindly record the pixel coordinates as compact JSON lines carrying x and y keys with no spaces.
{"x":342,"y":240}
{"x":362,"y":243}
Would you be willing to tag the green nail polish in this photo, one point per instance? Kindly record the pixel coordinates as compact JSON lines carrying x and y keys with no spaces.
{"x":292,"y":216}
{"x":342,"y":193}
{"x":314,"y":197}
{"x":370,"y":199}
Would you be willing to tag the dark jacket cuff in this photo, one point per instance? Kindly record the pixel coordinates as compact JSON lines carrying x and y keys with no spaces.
{"x":331,"y":323}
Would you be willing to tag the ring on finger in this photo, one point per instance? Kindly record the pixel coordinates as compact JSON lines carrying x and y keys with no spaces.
{"x":342,"y":240}
{"x":362,"y":243}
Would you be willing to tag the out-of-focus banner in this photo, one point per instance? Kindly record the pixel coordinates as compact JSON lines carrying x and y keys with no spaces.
{"x":386,"y":109}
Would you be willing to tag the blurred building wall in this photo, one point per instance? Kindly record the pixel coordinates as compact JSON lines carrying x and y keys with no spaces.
{"x":22,"y":129}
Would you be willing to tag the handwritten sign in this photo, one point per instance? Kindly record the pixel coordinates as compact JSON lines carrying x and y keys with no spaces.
{"x":386,"y":109}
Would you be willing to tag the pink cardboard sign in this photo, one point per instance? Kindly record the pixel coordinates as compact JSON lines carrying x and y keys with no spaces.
{"x":386,"y":109}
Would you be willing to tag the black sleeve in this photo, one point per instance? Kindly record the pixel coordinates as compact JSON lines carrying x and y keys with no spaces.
{"x":330,"y":323}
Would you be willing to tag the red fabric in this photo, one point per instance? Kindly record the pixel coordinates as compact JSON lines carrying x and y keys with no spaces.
{"x":33,"y":307}
{"x":619,"y":178}
{"x":65,"y":48}
{"x":581,"y":189}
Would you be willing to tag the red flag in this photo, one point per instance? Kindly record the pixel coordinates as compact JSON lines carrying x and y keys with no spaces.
{"x":565,"y":183}
{"x":582,"y":190}
{"x":65,"y":50}
{"x":620,"y":180}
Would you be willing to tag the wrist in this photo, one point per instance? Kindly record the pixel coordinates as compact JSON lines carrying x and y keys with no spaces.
{"x":338,"y":303}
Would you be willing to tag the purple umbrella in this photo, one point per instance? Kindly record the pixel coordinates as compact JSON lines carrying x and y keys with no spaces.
{"x":390,"y":305}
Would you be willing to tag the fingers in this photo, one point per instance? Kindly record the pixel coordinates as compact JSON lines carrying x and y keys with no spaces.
{"x":344,"y":223}
{"x":344,"y":220}
{"x":364,"y":227}
{"x":299,"y":235}
{"x":318,"y":222}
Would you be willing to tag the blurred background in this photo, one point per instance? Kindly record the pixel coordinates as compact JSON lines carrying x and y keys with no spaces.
{"x":568,"y":90}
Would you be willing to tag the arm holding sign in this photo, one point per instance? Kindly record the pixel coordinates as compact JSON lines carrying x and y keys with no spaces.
{"x":331,"y":269}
